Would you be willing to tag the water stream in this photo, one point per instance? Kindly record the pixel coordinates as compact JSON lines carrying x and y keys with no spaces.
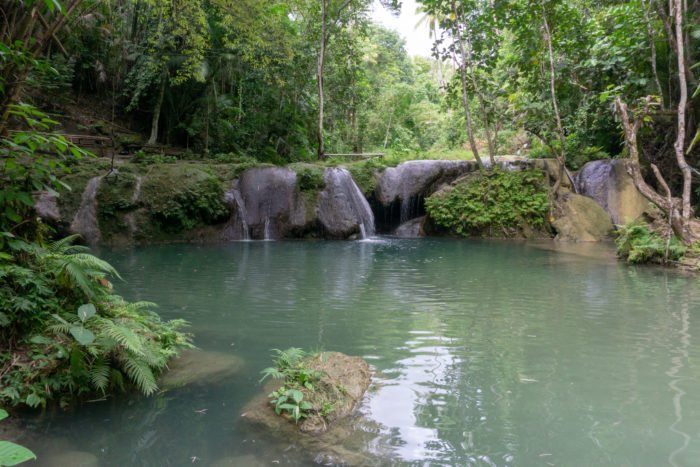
{"x":486,"y":353}
{"x":85,"y":220}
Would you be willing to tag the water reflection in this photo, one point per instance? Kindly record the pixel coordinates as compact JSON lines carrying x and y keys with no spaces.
{"x":486,"y":353}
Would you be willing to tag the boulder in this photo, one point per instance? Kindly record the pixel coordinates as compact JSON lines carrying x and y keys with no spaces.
{"x":580,"y":219}
{"x":415,"y":228}
{"x":273,"y":207}
{"x":421,"y":177}
{"x":196,"y":366}
{"x":339,"y":438}
{"x":342,"y":209}
{"x":609,"y":184}
{"x":343,"y":384}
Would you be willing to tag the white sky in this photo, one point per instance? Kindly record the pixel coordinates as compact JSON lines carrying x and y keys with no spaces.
{"x":418,"y":40}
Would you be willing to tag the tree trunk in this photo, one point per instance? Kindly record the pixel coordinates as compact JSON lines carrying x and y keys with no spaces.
{"x":561,"y":154}
{"x":465,"y":93}
{"x":652,"y":47}
{"x":482,"y":102}
{"x":156,"y":112}
{"x":679,"y":145}
{"x":687,"y":230}
{"x":319,"y":79}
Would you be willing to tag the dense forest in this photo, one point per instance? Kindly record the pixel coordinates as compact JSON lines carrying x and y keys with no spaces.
{"x":280,"y":82}
{"x":297,"y":80}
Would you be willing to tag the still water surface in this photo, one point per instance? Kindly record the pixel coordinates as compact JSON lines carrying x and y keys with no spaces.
{"x":486,"y":353}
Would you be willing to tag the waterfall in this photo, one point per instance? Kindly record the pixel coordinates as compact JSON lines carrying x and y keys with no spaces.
{"x":242,"y":214}
{"x":85,"y":219}
{"x":237,"y":228}
{"x":130,"y":217}
{"x":342,"y":180}
{"x":266,"y":232}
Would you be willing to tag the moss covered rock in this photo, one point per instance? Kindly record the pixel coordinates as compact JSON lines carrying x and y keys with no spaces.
{"x":580,"y":219}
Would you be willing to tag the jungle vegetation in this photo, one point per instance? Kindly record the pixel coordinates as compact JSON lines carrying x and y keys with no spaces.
{"x":283,"y":81}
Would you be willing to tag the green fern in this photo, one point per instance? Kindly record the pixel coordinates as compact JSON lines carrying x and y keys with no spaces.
{"x":139,"y":373}
{"x":99,"y":375}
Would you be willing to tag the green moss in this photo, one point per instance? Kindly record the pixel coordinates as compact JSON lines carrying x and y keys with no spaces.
{"x":115,"y":200}
{"x":496,"y":203}
{"x":183,"y":196}
{"x":366,"y":174}
{"x":309,"y":176}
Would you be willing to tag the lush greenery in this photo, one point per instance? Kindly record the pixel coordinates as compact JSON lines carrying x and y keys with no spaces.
{"x":63,"y":332}
{"x":637,"y":242}
{"x":66,"y":333}
{"x":297,"y":378}
{"x":497,"y":203}
{"x":12,"y":453}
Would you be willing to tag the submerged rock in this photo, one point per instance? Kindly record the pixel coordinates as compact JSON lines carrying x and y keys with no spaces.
{"x":343,"y":382}
{"x":415,"y":228}
{"x":248,"y":460}
{"x":580,"y":219}
{"x":609,"y":184}
{"x":331,"y":438}
{"x":69,"y":459}
{"x":196,"y":366}
{"x":342,"y":209}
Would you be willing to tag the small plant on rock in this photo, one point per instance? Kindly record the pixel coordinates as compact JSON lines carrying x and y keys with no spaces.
{"x":289,"y":398}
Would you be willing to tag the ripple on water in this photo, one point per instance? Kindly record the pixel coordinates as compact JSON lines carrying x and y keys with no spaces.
{"x":486,"y":353}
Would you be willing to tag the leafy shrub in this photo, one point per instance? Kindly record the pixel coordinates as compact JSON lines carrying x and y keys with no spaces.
{"x":493,"y":203}
{"x":65,"y":333}
{"x":637,"y":243}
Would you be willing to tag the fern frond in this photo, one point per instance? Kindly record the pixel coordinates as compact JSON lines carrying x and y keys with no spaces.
{"x":61,"y":328}
{"x":139,"y":373}
{"x":123,"y":335}
{"x":99,"y":375}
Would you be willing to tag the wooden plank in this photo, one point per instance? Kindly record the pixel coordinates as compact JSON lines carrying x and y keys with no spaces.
{"x":359,"y":156}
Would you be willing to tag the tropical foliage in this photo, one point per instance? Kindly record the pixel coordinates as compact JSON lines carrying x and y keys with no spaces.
{"x":497,"y":203}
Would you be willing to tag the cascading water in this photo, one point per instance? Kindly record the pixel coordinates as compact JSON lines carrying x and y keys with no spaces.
{"x":85,"y":219}
{"x":130,"y":217}
{"x":343,"y":187}
{"x":266,"y":231}
{"x":238,"y":228}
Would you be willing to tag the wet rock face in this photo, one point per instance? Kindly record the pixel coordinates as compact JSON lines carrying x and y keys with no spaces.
{"x":46,"y":206}
{"x":272,"y":206}
{"x":85,"y":221}
{"x":609,"y":184}
{"x":342,"y":209}
{"x":580,"y":219}
{"x":414,"y":178}
{"x":401,"y":190}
